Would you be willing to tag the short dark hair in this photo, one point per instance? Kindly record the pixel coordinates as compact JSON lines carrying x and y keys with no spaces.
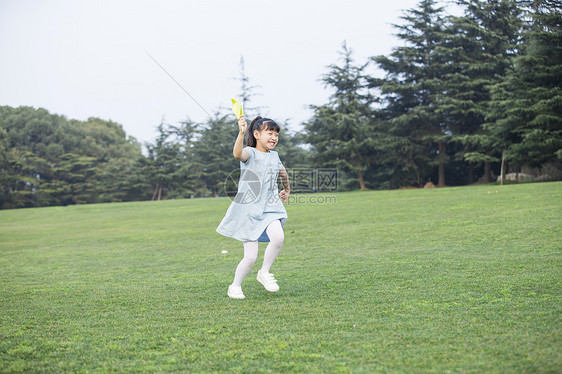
{"x":260,"y":124}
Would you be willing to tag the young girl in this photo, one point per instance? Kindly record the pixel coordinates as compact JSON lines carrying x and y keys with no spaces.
{"x":257,"y":213}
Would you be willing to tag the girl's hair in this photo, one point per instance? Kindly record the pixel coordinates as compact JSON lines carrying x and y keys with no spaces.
{"x":260,"y":124}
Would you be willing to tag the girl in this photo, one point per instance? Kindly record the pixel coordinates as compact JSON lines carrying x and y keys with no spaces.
{"x":257,"y":213}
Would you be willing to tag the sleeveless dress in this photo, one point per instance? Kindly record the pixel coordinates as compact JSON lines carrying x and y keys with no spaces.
{"x":257,"y":202}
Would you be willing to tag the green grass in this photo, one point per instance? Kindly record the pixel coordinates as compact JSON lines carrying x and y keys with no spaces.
{"x":442,"y":280}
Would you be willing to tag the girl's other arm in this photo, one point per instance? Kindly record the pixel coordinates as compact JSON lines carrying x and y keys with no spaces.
{"x":284,"y":195}
{"x":238,"y":151}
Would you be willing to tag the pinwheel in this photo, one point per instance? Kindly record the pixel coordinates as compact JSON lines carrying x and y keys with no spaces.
{"x":238,"y":109}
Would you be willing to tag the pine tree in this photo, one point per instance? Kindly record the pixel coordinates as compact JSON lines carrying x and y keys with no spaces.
{"x":163,"y":161}
{"x":339,"y":132}
{"x":527,"y":106}
{"x":187,"y":177}
{"x":213,"y":152}
{"x":411,"y":89}
{"x":247,"y":92}
{"x":481,"y":45}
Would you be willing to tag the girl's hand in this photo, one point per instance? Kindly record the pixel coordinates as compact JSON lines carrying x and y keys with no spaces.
{"x":284,"y":195}
{"x":242,"y":125}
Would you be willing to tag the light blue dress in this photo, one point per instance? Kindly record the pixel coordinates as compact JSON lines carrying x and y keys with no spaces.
{"x":257,"y":201}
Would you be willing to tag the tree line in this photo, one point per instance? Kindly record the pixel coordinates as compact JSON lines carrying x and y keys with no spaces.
{"x":463,"y":98}
{"x":461,"y":95}
{"x":46,"y":159}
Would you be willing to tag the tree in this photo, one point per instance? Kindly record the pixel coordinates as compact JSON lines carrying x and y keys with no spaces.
{"x":339,"y":131}
{"x":115,"y":155}
{"x":247,"y":92}
{"x":74,"y":180}
{"x":214,"y":152}
{"x":411,"y":89}
{"x":162,"y":161}
{"x":114,"y":180}
{"x":290,"y":149}
{"x":527,"y":106}
{"x":29,"y":152}
{"x":481,"y":45}
{"x":49,"y":160}
{"x":6,"y":172}
{"x":187,"y":178}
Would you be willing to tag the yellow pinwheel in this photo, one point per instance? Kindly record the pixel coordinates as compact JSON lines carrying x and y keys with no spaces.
{"x":237,"y":108}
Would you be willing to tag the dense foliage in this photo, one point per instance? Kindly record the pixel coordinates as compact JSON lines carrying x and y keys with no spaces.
{"x":461,"y":96}
{"x":46,"y":159}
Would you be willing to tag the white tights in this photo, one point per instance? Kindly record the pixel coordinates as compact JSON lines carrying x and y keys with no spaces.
{"x":276,"y":237}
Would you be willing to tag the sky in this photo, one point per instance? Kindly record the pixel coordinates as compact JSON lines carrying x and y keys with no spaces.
{"x":92,"y":58}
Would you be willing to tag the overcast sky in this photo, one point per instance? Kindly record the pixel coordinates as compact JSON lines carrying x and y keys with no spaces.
{"x":90,"y":58}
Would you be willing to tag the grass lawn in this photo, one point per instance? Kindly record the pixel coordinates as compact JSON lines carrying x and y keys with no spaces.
{"x":443,"y":280}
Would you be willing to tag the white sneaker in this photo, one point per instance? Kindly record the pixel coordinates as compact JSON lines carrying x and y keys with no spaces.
{"x":235,"y":292}
{"x":268,"y":281}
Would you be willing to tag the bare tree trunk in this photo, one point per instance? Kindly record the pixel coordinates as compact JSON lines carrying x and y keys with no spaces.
{"x":361,"y":180}
{"x":159,"y":192}
{"x":441,"y":182}
{"x":155,"y":192}
{"x":357,"y":165}
{"x":502,"y":170}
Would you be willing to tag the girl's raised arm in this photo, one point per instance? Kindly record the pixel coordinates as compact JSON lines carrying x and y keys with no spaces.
{"x":238,"y":151}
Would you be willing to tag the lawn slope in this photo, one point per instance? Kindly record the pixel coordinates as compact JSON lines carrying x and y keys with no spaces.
{"x":456,"y":279}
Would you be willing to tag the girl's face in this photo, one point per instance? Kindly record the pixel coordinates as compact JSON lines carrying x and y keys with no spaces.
{"x":266,"y":139}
